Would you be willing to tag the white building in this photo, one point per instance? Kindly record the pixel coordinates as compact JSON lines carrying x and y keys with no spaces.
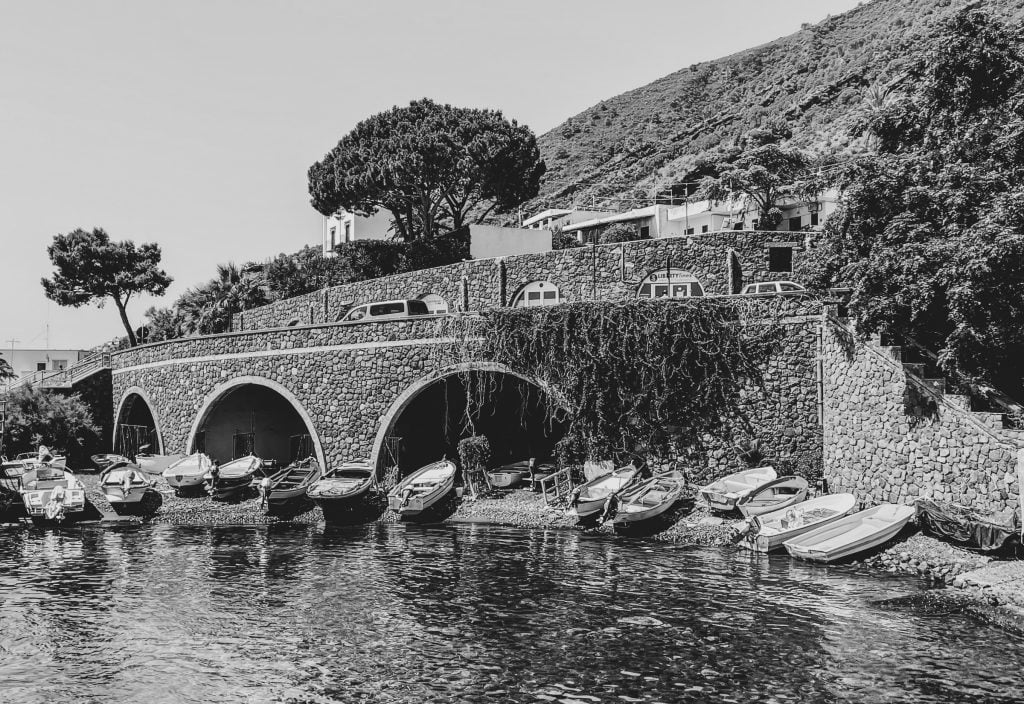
{"x":560,"y":217}
{"x":700,"y":217}
{"x":28,"y":361}
{"x":344,"y":226}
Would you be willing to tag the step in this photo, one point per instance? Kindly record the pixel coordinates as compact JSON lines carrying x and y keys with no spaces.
{"x":990,"y":420}
{"x":915,"y":368}
{"x":961,"y":401}
{"x":938,"y":385}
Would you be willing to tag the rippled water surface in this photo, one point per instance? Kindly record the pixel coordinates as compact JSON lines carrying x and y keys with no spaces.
{"x":406,"y":614}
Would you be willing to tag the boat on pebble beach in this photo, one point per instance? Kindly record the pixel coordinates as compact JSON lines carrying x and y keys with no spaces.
{"x":650,"y":498}
{"x":851,"y":534}
{"x":589,"y":499}
{"x":188,"y":472}
{"x":104,"y":462}
{"x":125,"y":486}
{"x":231,"y":479}
{"x":722,"y":495}
{"x":769,"y":531}
{"x":422,"y":489}
{"x":290,"y":483}
{"x":508,"y":476}
{"x":346,"y":485}
{"x":773,"y":496}
{"x":156,"y":464}
{"x":51,"y":494}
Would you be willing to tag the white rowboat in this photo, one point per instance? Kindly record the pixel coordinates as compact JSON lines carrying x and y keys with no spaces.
{"x":188,"y":471}
{"x":650,"y":498}
{"x":774,"y":495}
{"x":852,"y":534}
{"x":422,"y":489}
{"x":769,"y":530}
{"x":233,"y":477}
{"x":590,"y":498}
{"x":723,"y":494}
{"x":124,"y":483}
{"x":156,"y":464}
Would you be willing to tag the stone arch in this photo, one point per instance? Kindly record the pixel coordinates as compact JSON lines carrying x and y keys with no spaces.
{"x":388,"y":420}
{"x":131,"y":396}
{"x":219,"y":393}
{"x":670,"y":283}
{"x":543,"y":291}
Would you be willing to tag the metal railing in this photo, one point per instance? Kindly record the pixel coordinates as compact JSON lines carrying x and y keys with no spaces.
{"x":63,"y":378}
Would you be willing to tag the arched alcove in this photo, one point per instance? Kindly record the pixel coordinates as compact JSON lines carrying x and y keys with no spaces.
{"x":136,"y":427}
{"x":254,"y":415}
{"x":432,"y":415}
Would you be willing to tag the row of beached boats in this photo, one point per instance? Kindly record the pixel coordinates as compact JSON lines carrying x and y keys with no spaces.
{"x":43,"y":486}
{"x":779,"y":515}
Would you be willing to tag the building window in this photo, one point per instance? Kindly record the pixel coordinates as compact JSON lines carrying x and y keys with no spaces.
{"x":814,"y":219}
{"x":689,"y":230}
{"x":738,"y":225}
{"x":348,"y":231}
{"x":334,"y":237}
{"x":645,"y":232}
{"x":780,"y":259}
{"x":537,"y":293}
{"x":435,"y":304}
{"x":60,"y":364}
{"x":670,"y":284}
{"x":703,"y":229}
{"x":40,"y":366}
{"x":796,"y":223}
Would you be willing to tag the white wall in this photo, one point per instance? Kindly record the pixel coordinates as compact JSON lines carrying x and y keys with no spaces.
{"x":26,"y":361}
{"x":488,"y":241}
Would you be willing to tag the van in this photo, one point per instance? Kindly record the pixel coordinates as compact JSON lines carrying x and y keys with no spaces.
{"x":767,"y":288}
{"x":386,"y":310}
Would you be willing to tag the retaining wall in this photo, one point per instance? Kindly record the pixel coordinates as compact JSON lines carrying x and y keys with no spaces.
{"x":890,"y":437}
{"x":585,"y":273}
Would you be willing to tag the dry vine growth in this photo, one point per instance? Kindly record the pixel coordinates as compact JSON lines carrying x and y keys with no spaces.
{"x":639,"y":377}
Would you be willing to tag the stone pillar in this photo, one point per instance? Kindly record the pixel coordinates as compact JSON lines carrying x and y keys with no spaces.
{"x":1020,"y":484}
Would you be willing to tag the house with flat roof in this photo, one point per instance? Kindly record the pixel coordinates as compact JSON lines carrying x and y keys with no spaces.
{"x":562,"y":217}
{"x":28,"y":361}
{"x":344,"y":226}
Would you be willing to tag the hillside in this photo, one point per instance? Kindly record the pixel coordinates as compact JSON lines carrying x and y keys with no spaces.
{"x":646,"y":140}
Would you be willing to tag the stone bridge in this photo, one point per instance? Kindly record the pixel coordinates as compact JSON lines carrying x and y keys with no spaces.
{"x":346,"y":389}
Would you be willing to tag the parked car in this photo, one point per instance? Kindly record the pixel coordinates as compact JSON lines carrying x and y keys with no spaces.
{"x":386,"y":310}
{"x":768,"y":288}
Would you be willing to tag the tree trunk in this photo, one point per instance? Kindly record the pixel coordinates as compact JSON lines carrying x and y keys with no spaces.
{"x":124,"y":320}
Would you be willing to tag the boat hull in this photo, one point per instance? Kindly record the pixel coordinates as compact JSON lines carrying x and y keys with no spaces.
{"x":428,"y":492}
{"x":773,"y":496}
{"x":592,"y":496}
{"x":851,"y":534}
{"x":723,"y":495}
{"x":773,"y":534}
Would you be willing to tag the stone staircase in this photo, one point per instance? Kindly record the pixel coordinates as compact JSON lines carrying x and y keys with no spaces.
{"x":986,"y":407}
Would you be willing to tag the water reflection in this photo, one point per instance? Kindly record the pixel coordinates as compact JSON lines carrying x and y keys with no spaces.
{"x":392,"y":613}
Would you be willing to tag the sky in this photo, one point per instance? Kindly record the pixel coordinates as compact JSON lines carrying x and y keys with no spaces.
{"x":192,"y":123}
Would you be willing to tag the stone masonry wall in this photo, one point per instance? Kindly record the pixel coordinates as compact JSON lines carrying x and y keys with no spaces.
{"x":585,"y":273}
{"x":889,"y":438}
{"x":347,"y":377}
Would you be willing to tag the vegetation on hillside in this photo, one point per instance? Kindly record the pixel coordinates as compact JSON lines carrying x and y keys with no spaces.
{"x":931,"y":233}
{"x":822,"y":80}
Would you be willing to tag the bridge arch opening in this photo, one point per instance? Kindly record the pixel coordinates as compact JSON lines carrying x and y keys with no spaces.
{"x":251,"y":415}
{"x":429,"y":419}
{"x":135,"y":425}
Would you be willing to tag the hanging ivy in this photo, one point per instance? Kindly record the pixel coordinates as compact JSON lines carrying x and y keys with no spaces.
{"x":638,"y":377}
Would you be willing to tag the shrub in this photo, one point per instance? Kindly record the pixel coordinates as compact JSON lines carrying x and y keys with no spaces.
{"x":621,"y":233}
{"x":35,"y":417}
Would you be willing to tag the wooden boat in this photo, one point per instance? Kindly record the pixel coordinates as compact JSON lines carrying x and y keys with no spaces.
{"x":510,"y":475}
{"x":104,"y":462}
{"x":344,"y":487}
{"x":851,"y":534}
{"x":723,"y":494}
{"x":51,"y":493}
{"x":156,"y":464}
{"x":768,"y":531}
{"x":774,"y":495}
{"x":589,"y":499}
{"x":975,"y":528}
{"x":233,"y":478}
{"x":188,"y":472}
{"x":124,"y":483}
{"x":31,"y":460}
{"x":291,"y":482}
{"x":422,"y":489}
{"x":650,"y":498}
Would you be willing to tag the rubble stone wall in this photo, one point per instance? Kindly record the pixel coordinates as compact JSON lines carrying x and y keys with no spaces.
{"x":890,"y":438}
{"x":584,"y":273}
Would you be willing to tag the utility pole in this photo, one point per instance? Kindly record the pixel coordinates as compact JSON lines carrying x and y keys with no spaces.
{"x":12,"y":341}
